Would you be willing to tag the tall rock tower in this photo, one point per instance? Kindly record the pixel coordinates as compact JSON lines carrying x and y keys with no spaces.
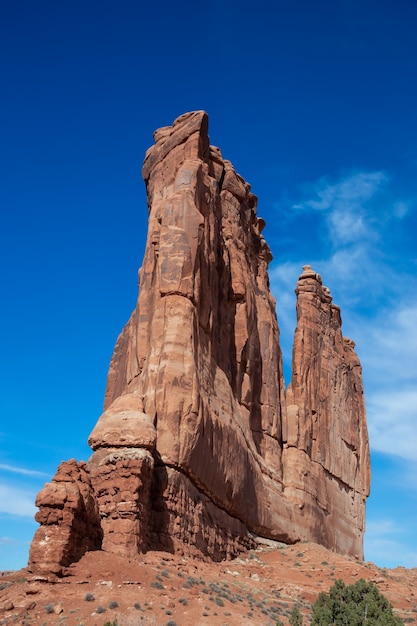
{"x":200,"y":447}
{"x":326,"y":449}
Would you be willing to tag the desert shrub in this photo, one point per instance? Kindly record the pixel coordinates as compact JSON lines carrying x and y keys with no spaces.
{"x":100,"y":609}
{"x":296,"y":619}
{"x":113,"y":623}
{"x":113,"y":604}
{"x":193,"y":580}
{"x":89,"y":597}
{"x":353,"y":605}
{"x":157,"y":585}
{"x":49,"y":608}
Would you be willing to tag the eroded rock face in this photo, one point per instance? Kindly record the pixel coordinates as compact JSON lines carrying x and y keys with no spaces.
{"x":199,"y":443}
{"x":201,"y":350}
{"x":69,"y":520}
{"x":326,"y":450}
{"x":121,"y":479}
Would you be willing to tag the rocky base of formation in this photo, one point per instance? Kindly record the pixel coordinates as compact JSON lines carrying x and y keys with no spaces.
{"x":127,"y":507}
{"x":260,"y":587}
{"x":200,"y":446}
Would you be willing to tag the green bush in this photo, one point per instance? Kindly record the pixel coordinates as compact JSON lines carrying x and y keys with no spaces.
{"x":296,"y":619}
{"x":353,"y":605}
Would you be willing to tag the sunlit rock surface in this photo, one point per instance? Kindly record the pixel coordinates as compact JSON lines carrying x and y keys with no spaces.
{"x":200,"y":446}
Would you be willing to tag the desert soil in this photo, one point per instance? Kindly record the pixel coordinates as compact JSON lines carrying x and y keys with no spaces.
{"x":160,"y":589}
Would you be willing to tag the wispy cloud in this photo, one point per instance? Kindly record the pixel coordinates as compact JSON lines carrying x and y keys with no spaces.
{"x":371,"y":278}
{"x":387,"y":542}
{"x":23,"y":471}
{"x":8,"y":541}
{"x":349,"y":192}
{"x":387,"y":344}
{"x":376,"y":287}
{"x":392,"y":418}
{"x":17,"y":501}
{"x":347,"y":204}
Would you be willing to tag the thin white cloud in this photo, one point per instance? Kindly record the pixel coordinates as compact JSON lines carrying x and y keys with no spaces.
{"x":22,"y":470}
{"x":390,"y":345}
{"x":347,"y":226}
{"x":376,"y":295}
{"x":17,"y":501}
{"x":8,"y":541}
{"x":341,"y":272}
{"x":350,"y":191}
{"x":346,"y":205}
{"x":388,"y":543}
{"x":387,"y":345}
{"x":401,"y":209}
{"x":354,"y":208}
{"x":392,"y":419}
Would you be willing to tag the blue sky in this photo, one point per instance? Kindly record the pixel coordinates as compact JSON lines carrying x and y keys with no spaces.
{"x":316,"y":106}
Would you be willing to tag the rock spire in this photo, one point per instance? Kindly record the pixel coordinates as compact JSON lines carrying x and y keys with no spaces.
{"x":200,"y":447}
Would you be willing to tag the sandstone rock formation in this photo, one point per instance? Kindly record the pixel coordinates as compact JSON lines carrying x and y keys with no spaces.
{"x":70,"y":523}
{"x":200,"y":446}
{"x":326,"y":450}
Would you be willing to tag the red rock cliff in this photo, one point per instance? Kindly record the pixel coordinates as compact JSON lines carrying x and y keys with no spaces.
{"x":198,"y":444}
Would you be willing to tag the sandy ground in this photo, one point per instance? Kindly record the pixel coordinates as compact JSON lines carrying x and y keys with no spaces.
{"x":162,"y":589}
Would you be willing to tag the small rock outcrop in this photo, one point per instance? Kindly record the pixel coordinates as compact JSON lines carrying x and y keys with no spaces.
{"x":69,"y":520}
{"x":200,"y":445}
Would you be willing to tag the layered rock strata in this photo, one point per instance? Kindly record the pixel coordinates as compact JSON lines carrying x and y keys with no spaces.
{"x":69,"y":520}
{"x":200,"y":446}
{"x":326,"y":450}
